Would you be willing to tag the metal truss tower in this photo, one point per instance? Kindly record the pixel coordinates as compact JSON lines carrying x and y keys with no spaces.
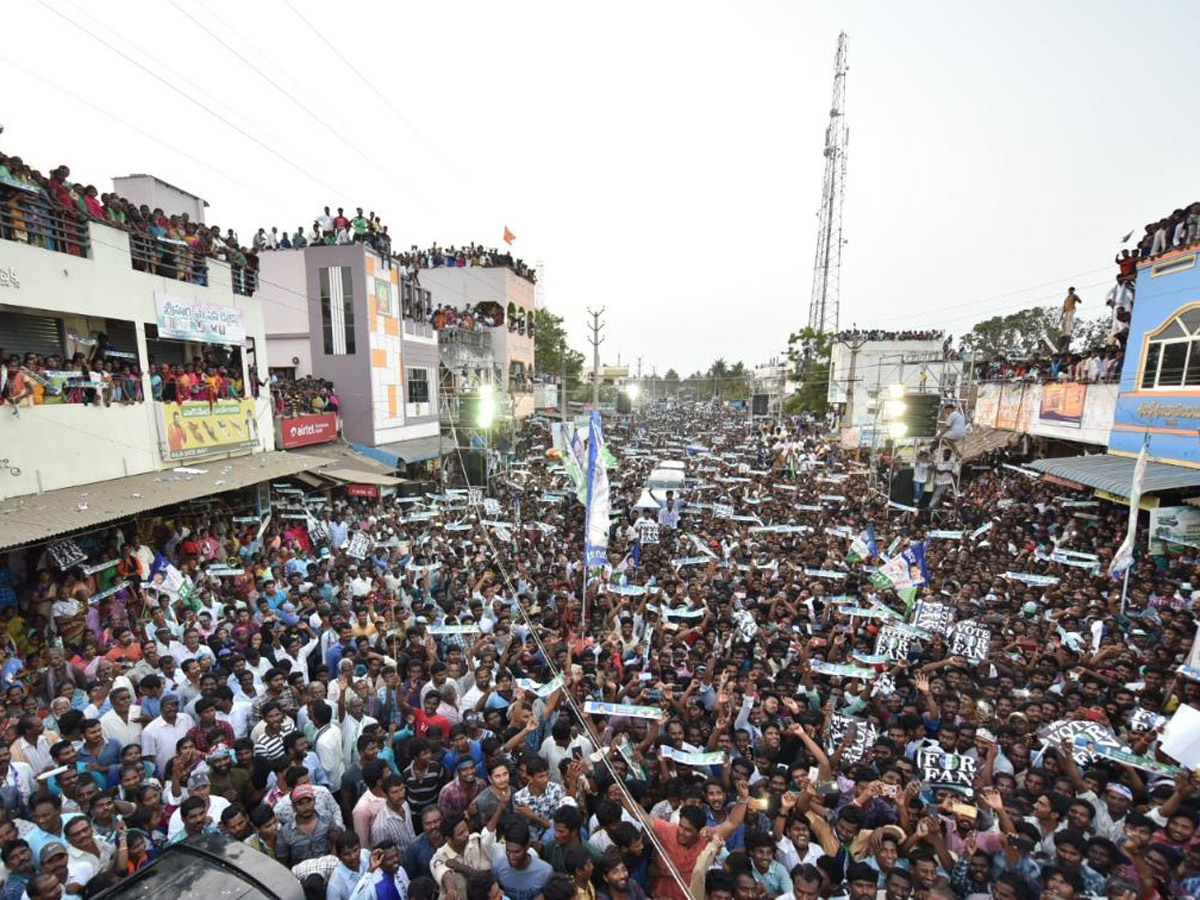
{"x":823,"y":308}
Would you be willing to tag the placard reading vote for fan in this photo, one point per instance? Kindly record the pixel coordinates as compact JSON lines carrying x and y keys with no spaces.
{"x":66,"y":554}
{"x":491,"y":507}
{"x":722,"y":511}
{"x":474,"y":496}
{"x":360,"y":545}
{"x":647,"y":531}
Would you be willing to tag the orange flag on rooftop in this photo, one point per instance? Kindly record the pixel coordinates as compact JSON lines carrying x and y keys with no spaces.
{"x":509,"y":237}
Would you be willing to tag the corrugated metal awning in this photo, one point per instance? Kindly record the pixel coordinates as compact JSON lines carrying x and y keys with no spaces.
{"x":1114,"y":474}
{"x":414,"y":451}
{"x":37,"y":517}
{"x":358,"y":476}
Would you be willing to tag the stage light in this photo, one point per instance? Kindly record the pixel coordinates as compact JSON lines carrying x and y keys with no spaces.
{"x":632,"y":391}
{"x":895,"y":408}
{"x":896,"y":391}
{"x":897,"y":430}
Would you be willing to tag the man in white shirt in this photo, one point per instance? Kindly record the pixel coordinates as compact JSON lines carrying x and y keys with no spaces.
{"x":160,"y":736}
{"x":669,"y":510}
{"x":121,"y":723}
{"x":955,"y":428}
{"x":328,"y":742}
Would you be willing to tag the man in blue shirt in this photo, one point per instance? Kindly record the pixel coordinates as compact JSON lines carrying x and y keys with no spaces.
{"x":354,"y":861}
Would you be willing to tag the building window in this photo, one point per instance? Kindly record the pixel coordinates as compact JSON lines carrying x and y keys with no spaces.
{"x":418,"y":385}
{"x":1172,"y":356}
{"x":337,"y":310}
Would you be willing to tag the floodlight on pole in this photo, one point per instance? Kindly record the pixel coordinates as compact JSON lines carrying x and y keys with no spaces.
{"x":632,"y":391}
{"x":896,"y":391}
{"x":897,"y":430}
{"x":487,"y":406}
{"x":895,"y":408}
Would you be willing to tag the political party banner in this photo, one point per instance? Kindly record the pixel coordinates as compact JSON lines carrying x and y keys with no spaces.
{"x":1030,"y":579}
{"x":225,"y":571}
{"x":864,"y":612}
{"x":451,"y":629}
{"x":647,"y":530}
{"x":862,"y":736}
{"x":871,"y":659}
{"x":1095,"y":735}
{"x":892,"y":643}
{"x":1008,"y":415}
{"x":970,"y":639}
{"x":933,"y":616}
{"x":1176,"y":525}
{"x":982,"y":529}
{"x":916,"y":632}
{"x":1062,"y":403}
{"x":832,"y":498}
{"x":824,"y":668}
{"x":100,"y":567}
{"x":824,"y":573}
{"x":691,"y":561}
{"x":1145,"y":720}
{"x":360,"y":545}
{"x":1191,"y":673}
{"x":780,"y":529}
{"x":65,"y":554}
{"x":950,"y":770}
{"x":685,"y":613}
{"x":119,"y":586}
{"x":628,"y":710}
{"x":198,"y":322}
{"x":722,"y":510}
{"x":714,"y":758}
{"x":945,"y":535}
{"x":197,"y":428}
{"x":1145,"y":763}
{"x":884,"y":686}
{"x":300,"y":431}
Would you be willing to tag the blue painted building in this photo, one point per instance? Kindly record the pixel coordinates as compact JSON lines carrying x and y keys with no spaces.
{"x":1159,"y":394}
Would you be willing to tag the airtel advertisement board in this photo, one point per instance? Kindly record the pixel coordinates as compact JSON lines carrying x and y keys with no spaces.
{"x":297,"y":431}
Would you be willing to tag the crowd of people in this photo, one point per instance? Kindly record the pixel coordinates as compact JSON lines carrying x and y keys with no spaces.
{"x":855,"y":335}
{"x":1180,"y":229}
{"x":341,"y":229}
{"x":49,"y":212}
{"x":303,"y":396}
{"x":409,"y":698}
{"x":1100,"y":364}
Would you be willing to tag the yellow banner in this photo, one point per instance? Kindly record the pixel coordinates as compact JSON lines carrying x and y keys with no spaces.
{"x":198,"y":428}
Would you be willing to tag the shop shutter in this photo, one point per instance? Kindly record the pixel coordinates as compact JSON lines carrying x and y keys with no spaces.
{"x":21,"y":334}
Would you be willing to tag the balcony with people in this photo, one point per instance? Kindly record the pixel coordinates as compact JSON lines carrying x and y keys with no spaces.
{"x":54,"y":213}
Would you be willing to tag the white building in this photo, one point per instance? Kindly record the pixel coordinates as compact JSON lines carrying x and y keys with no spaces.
{"x":74,"y":288}
{"x":862,"y":369}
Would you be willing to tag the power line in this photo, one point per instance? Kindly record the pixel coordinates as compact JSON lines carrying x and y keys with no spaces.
{"x":216,"y":115}
{"x":303,"y":107}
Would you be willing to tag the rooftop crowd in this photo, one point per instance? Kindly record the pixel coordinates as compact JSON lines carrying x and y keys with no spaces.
{"x":390,"y":698}
{"x":48,"y":211}
{"x":1180,"y":229}
{"x":342,"y":229}
{"x":880,"y":334}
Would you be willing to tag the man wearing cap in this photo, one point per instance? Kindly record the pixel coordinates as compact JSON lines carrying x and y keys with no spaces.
{"x":1110,"y":813}
{"x":458,"y":794}
{"x":160,"y":736}
{"x":308,"y":835}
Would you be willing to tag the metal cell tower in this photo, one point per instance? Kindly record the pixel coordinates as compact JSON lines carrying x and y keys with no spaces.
{"x":823,"y":308}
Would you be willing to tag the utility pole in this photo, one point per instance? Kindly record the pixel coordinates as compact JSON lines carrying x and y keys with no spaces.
{"x":596,"y":341}
{"x":562,"y":381}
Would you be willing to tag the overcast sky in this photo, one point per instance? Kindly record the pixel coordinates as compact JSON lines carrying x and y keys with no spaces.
{"x":663,"y":160}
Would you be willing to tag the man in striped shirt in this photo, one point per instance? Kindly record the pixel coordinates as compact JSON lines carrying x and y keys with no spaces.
{"x":268,"y":735}
{"x":422,"y":777}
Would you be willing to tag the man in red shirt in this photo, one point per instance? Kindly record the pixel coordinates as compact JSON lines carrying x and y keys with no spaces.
{"x":427,"y":717}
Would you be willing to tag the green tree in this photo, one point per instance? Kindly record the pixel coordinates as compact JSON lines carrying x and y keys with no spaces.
{"x":1029,"y":331}
{"x":808,"y":351}
{"x":548,"y":342}
{"x":671,"y":383}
